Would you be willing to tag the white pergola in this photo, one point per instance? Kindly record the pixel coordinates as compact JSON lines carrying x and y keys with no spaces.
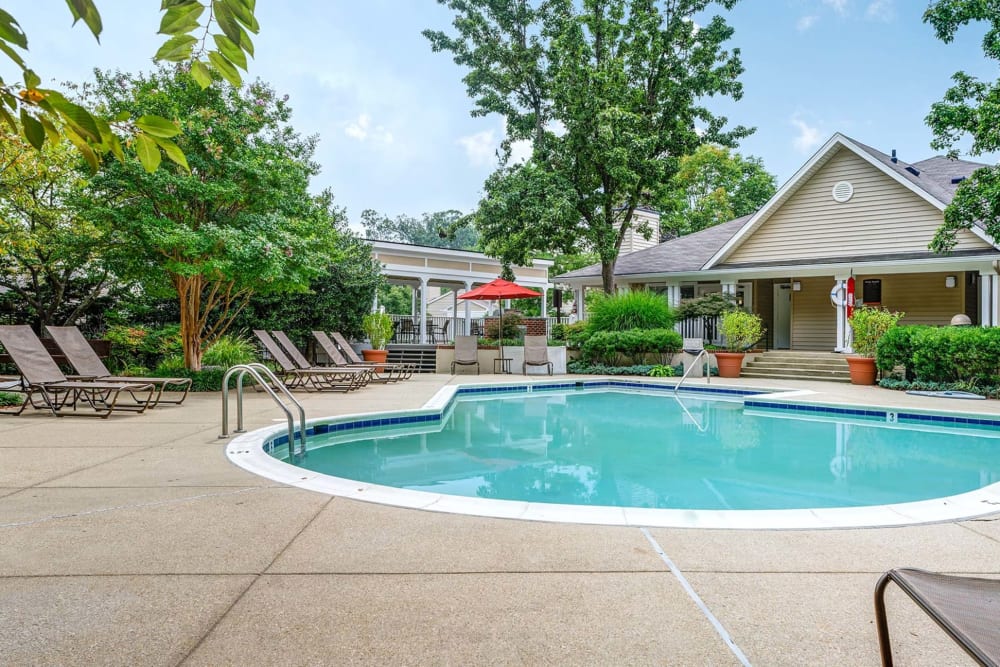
{"x":459,"y":270}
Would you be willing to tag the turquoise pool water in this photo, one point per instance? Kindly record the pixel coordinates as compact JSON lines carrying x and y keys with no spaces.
{"x":632,"y":449}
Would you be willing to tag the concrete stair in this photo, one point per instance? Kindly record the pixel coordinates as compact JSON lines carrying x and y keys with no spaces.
{"x":790,"y":365}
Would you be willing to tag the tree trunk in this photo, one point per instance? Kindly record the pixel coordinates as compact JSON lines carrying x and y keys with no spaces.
{"x":189,"y":295}
{"x":608,"y":276}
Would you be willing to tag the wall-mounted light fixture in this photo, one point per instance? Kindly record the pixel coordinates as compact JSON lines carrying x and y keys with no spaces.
{"x":796,"y":286}
{"x":950,"y":281}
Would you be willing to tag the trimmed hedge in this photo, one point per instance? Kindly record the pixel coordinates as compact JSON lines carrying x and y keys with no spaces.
{"x":621,"y":348}
{"x":583,"y":368}
{"x":943,"y":354}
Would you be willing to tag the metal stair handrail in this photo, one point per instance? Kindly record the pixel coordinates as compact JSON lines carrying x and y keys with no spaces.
{"x":254,"y":370}
{"x":708,"y":374}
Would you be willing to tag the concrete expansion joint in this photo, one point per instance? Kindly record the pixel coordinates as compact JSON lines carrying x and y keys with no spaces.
{"x":116,"y":508}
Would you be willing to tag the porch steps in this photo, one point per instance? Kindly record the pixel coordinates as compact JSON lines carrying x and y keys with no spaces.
{"x":423,"y":357}
{"x":788,"y":365}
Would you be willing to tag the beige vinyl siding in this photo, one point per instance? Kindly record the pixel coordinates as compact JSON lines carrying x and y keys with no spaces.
{"x":814,"y":319}
{"x":882,"y":217}
{"x":922,"y":296}
{"x":400,"y":260}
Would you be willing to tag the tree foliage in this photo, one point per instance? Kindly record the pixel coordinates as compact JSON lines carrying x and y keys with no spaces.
{"x":609,"y":92}
{"x":240,"y":222}
{"x":970,"y":109}
{"x":443,"y":229}
{"x":41,"y":114}
{"x":54,"y":263}
{"x":713,"y":186}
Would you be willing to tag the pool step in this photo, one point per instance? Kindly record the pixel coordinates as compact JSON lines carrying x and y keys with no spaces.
{"x":789,"y":365}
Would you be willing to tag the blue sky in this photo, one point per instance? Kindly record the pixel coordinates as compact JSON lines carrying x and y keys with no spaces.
{"x":393,"y":117}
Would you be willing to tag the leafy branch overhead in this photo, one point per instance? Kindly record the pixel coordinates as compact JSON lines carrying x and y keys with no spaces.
{"x":212,"y":38}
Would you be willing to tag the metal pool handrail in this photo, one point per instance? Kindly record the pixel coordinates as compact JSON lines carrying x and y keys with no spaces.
{"x":252,"y":370}
{"x":694,"y":363}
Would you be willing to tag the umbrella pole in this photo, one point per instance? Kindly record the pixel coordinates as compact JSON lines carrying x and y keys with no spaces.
{"x":500,"y":332}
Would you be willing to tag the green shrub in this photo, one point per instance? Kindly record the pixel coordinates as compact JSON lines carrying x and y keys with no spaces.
{"x":8,"y":398}
{"x":575,"y":334}
{"x":943,"y":354}
{"x":895,"y":348}
{"x":640,"y":309}
{"x":511,"y":322}
{"x":209,"y":378}
{"x":662,"y":371}
{"x":229,"y":351}
{"x":710,"y":305}
{"x":614,"y":347}
{"x":134,"y":349}
{"x":869,"y":325}
{"x":741,"y":329}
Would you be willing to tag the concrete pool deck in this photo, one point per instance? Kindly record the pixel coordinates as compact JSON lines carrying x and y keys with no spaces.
{"x":135,"y":541}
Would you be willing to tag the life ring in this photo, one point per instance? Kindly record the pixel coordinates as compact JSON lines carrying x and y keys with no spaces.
{"x":838,"y":295}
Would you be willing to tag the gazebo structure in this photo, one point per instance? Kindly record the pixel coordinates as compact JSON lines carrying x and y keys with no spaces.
{"x":421,"y":267}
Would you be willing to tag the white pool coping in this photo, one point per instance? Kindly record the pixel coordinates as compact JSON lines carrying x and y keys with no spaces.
{"x":247,"y":451}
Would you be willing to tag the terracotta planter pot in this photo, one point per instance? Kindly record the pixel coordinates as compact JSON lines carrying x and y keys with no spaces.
{"x":862,"y":369}
{"x":730,"y":363}
{"x":376,"y":356}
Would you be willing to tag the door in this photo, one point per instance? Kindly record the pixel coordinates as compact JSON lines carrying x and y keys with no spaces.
{"x":782,"y":320}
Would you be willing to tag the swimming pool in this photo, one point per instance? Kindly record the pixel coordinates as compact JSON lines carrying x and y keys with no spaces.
{"x":634,"y":453}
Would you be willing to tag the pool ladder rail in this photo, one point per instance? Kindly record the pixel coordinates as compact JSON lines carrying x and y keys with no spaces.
{"x":259,"y":372}
{"x":708,"y":367}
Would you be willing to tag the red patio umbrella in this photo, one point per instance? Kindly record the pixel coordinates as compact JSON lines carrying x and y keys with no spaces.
{"x":498,"y":290}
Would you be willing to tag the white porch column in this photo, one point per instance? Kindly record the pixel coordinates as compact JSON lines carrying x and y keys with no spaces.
{"x":987,"y":298}
{"x":843,"y":343}
{"x":995,"y":301}
{"x":423,"y":311}
{"x":545,"y":302}
{"x":468,"y":309}
{"x":454,"y":314}
{"x":581,"y":309}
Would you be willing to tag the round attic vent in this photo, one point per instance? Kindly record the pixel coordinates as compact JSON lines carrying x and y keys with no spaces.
{"x":843,"y":191}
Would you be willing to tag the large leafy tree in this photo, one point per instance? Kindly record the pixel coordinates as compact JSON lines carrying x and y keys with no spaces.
{"x":610,"y":95}
{"x":711,"y":186}
{"x":443,"y":229}
{"x":970,"y":109}
{"x":240,"y":222}
{"x":41,"y":114}
{"x":54,"y":263}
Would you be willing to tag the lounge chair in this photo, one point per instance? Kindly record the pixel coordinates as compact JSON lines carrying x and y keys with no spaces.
{"x":967,"y":608}
{"x":85,"y":361}
{"x":381,"y":372}
{"x":41,"y":377}
{"x":536,"y":353}
{"x":466,"y":352}
{"x":312,"y":378}
{"x":403,"y":370}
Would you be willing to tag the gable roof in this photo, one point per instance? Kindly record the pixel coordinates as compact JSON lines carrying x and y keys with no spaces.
{"x":930,"y":180}
{"x":684,"y":254}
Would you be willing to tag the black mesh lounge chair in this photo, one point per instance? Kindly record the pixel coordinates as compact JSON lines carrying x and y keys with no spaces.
{"x":391,"y":370}
{"x":86,"y":362}
{"x":380,"y":372}
{"x":536,"y":353}
{"x":42,"y":379}
{"x":319,"y":379}
{"x":466,"y":352}
{"x":967,"y":608}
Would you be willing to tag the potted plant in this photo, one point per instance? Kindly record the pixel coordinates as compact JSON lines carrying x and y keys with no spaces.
{"x":868,"y":326}
{"x":379,"y":328}
{"x":741,"y":330}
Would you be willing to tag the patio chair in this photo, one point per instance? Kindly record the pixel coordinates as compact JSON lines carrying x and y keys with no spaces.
{"x":41,"y":377}
{"x":401,"y":371}
{"x":536,"y":353}
{"x":967,"y":608}
{"x":382,"y":372}
{"x":466,"y":352}
{"x":319,"y":379}
{"x":85,"y":361}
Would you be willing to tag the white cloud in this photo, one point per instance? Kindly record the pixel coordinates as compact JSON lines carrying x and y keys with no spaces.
{"x":520,"y":151}
{"x":808,"y":137}
{"x":881,"y":10}
{"x":839,"y":6}
{"x":480,"y":148}
{"x":806,"y":22}
{"x":362,"y":130}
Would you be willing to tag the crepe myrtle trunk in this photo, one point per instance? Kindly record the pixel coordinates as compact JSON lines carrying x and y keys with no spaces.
{"x":189,"y":296}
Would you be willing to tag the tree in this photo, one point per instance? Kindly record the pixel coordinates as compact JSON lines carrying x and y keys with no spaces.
{"x":969,"y":109}
{"x":609,"y":94}
{"x":54,"y":263}
{"x":240,"y":222}
{"x":444,"y":229}
{"x":712,"y":186}
{"x":40,"y":114}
